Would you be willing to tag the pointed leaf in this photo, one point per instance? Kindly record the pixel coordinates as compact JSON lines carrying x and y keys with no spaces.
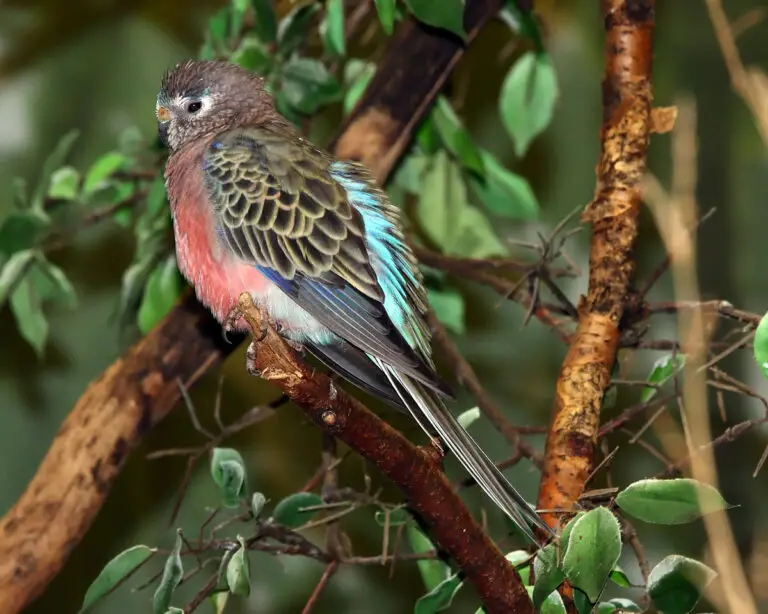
{"x":332,"y":28}
{"x":504,"y":192}
{"x":292,"y":511}
{"x":28,"y":310}
{"x":114,"y":572}
{"x":469,"y":417}
{"x":164,"y":287}
{"x":552,"y":604}
{"x":528,"y":97}
{"x":456,"y":138}
{"x":440,"y":597}
{"x":294,"y":27}
{"x":64,"y":290}
{"x":670,"y":501}
{"x":357,"y":76}
{"x":14,"y":270}
{"x":619,"y":576}
{"x":239,"y":571}
{"x":22,"y":230}
{"x":443,"y":202}
{"x":449,"y":307}
{"x":102,"y":170}
{"x":253,"y":55}
{"x":675,"y":585}
{"x":664,"y":368}
{"x":433,"y":571}
{"x":55,"y":160}
{"x":228,"y":472}
{"x":547,"y":573}
{"x":219,"y":601}
{"x":265,"y":24}
{"x":64,"y":183}
{"x":476,"y":236}
{"x":593,"y":550}
{"x":446,"y":14}
{"x":308,"y":85}
{"x":761,"y":344}
{"x":172,"y":575}
{"x":387,"y":14}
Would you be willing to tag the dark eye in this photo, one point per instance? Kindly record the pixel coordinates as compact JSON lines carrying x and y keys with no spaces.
{"x":194,"y":107}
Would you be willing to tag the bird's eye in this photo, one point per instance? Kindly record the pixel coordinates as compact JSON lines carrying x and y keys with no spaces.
{"x":194,"y":107}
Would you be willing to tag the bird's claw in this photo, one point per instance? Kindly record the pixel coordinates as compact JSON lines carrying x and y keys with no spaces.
{"x":250,"y":360}
{"x":230,"y":323}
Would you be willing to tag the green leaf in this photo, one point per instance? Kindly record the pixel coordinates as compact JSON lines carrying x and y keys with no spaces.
{"x":428,"y":138}
{"x":292,"y":511}
{"x":449,"y":307}
{"x":440,"y":597}
{"x":102,"y":170}
{"x":265,"y":24}
{"x":528,"y":97}
{"x":547,"y":572}
{"x":469,"y":417}
{"x":239,"y":571}
{"x":219,"y":601}
{"x":218,"y":28}
{"x":307,"y":85}
{"x":258,"y":501}
{"x":552,"y":604}
{"x":675,"y":585}
{"x":619,"y":576}
{"x":397,"y":517}
{"x":565,"y":536}
{"x":476,"y":236}
{"x":357,"y":76}
{"x":54,"y":161}
{"x":664,"y":368}
{"x":593,"y":550}
{"x":64,"y":183}
{"x":157,"y":200}
{"x":387,"y":14}
{"x":64,"y":290}
{"x":114,"y":572}
{"x":433,"y":571}
{"x":443,"y":202}
{"x":22,"y":230}
{"x":228,"y":472}
{"x":761,"y":344}
{"x":294,"y":27}
{"x":28,"y":310}
{"x":618,"y":605}
{"x":522,"y":22}
{"x":504,"y":192}
{"x":332,"y":28}
{"x":409,"y":174}
{"x":172,"y":575}
{"x":446,"y":14}
{"x":456,"y":138}
{"x":239,"y":8}
{"x":582,"y":602}
{"x":164,"y":287}
{"x":670,"y":501}
{"x":14,"y":270}
{"x":253,"y":55}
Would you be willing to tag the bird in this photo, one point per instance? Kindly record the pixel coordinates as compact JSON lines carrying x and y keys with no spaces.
{"x":320,"y":247}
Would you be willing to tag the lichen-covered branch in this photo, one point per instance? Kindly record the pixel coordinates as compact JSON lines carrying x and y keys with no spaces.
{"x":414,"y":470}
{"x":614,"y":215}
{"x":114,"y":414}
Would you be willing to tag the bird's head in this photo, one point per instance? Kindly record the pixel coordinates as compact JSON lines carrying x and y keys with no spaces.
{"x":201,"y":98}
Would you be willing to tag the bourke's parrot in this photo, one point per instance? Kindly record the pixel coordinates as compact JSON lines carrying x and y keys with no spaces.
{"x":258,"y":208}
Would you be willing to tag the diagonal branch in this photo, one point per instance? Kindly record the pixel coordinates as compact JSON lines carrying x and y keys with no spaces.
{"x":413,"y":469}
{"x":140,"y":389}
{"x":614,"y":215}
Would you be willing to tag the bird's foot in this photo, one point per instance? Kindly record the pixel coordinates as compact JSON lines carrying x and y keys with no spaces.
{"x":230,"y":323}
{"x":250,"y":360}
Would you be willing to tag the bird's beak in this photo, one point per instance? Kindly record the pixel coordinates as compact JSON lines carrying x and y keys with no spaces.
{"x":162,"y":131}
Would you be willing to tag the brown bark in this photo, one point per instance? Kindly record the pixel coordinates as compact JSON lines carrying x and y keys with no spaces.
{"x":413,"y":469}
{"x":116,"y":411}
{"x":614,"y":215}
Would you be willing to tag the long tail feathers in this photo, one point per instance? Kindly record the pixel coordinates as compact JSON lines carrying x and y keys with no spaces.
{"x":434,"y":417}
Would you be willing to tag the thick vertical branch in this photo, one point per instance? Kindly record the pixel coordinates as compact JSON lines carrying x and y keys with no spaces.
{"x":614,"y":215}
{"x":53,"y":514}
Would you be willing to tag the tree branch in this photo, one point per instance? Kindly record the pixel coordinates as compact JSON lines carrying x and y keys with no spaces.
{"x":414,"y":470}
{"x":614,"y":215}
{"x":140,"y":389}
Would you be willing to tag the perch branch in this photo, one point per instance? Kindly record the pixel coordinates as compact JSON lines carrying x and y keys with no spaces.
{"x":614,"y":214}
{"x":413,"y":469}
{"x":115,"y":413}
